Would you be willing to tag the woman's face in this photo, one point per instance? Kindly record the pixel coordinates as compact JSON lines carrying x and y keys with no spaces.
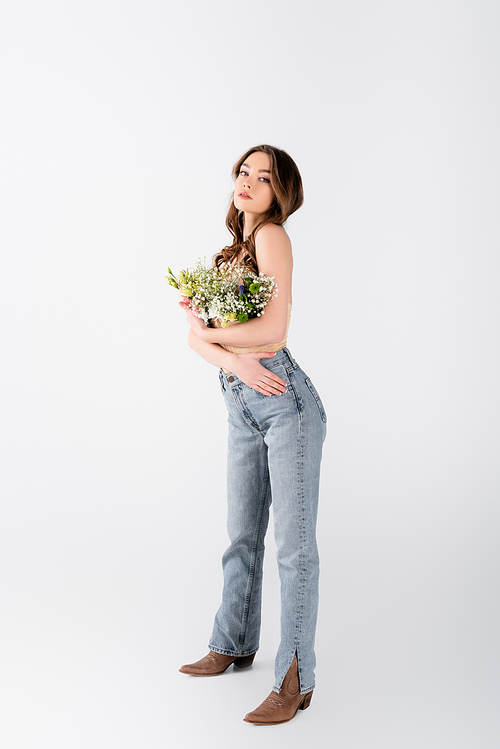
{"x":252,"y":190}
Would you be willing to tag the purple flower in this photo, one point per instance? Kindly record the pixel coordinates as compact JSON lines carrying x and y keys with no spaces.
{"x":241,"y":289}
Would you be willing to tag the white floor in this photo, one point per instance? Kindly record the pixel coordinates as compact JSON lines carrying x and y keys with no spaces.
{"x":96,"y":667}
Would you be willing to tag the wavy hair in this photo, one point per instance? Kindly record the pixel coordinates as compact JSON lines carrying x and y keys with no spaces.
{"x":286,"y":183}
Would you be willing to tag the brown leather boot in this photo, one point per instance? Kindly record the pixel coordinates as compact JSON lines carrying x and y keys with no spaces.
{"x":214,"y":664}
{"x":279,"y":708}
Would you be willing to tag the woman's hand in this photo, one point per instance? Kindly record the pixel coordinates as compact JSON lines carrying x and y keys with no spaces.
{"x":197,"y":324}
{"x":249,"y":370}
{"x":247,"y":367}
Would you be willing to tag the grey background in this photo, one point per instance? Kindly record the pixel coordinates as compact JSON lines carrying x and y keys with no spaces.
{"x":120,"y":123}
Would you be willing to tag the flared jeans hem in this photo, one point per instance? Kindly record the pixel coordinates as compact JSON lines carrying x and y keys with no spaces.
{"x":242,"y":654}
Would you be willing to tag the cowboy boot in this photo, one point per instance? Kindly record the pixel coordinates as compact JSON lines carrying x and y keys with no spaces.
{"x":279,"y":708}
{"x":214,"y":664}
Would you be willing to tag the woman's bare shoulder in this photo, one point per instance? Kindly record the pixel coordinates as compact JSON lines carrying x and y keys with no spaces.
{"x":272,"y":234}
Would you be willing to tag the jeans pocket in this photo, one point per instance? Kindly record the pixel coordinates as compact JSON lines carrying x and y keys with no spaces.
{"x":316,"y":397}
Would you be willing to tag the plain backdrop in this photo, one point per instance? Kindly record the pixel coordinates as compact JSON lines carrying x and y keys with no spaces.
{"x":120,"y":124}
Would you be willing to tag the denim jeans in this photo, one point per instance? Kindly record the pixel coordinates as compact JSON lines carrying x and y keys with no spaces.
{"x":274,"y":454}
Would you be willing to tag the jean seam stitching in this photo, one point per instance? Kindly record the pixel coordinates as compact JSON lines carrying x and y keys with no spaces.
{"x":296,"y":396}
{"x":253,"y":558}
{"x":316,"y":397}
{"x":242,"y":407}
{"x":302,"y":532}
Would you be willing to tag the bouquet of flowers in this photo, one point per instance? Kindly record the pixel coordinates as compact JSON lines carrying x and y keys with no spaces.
{"x":230,"y":293}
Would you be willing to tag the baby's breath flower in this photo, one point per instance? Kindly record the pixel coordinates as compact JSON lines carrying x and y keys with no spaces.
{"x":229,"y":293}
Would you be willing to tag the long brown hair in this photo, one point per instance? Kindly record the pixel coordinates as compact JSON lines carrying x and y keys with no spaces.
{"x":286,"y":183}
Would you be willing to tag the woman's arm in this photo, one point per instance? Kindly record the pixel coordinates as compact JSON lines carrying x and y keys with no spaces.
{"x":246,"y":367}
{"x":211,"y":352}
{"x":274,"y":258}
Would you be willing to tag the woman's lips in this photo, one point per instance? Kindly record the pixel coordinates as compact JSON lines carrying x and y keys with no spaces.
{"x":244,"y":196}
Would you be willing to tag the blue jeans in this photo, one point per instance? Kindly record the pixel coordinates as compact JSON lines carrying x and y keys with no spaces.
{"x":274,"y":454}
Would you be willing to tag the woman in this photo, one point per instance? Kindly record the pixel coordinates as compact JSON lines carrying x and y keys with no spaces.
{"x":277,"y":426}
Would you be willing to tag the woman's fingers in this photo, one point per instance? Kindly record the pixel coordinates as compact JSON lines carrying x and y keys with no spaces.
{"x":270,"y":386}
{"x":275,"y":388}
{"x":275,"y":381}
{"x":248,"y":368}
{"x":268,"y":374}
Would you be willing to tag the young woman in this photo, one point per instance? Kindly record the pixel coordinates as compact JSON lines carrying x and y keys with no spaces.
{"x":277,"y":426}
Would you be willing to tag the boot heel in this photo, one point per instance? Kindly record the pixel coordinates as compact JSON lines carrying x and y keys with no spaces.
{"x":306,"y":701}
{"x":245,"y":661}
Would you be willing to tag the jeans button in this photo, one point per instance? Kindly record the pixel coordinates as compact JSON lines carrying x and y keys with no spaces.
{"x":230,"y":379}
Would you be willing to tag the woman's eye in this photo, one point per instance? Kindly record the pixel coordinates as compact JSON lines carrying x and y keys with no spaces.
{"x":264,"y":179}
{"x":243,"y":173}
